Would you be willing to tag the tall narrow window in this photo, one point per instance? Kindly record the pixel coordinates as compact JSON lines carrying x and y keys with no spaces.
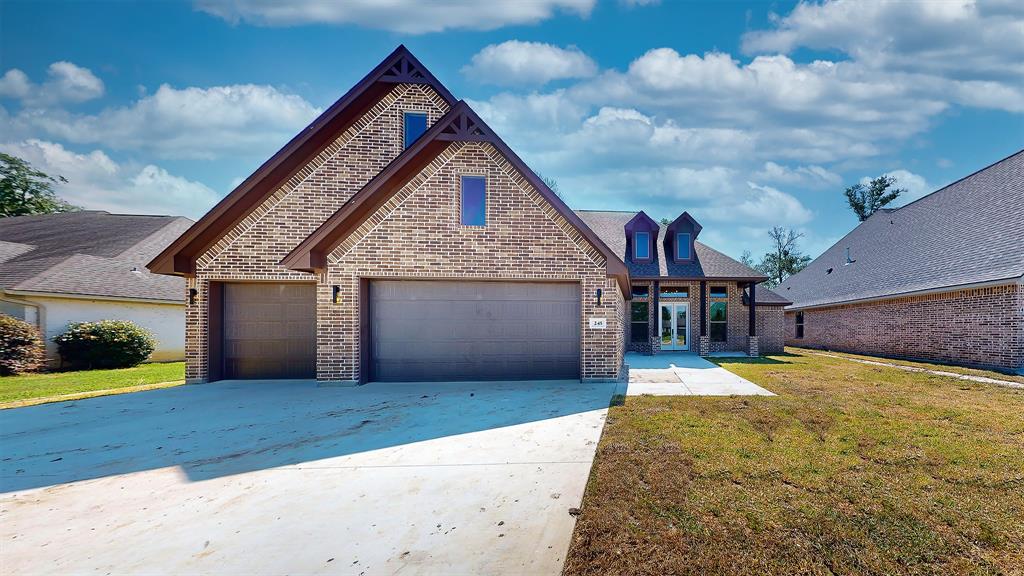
{"x":474,"y":201}
{"x":719,"y":314}
{"x":682,"y":246}
{"x":641,"y":245}
{"x":415,"y":126}
{"x":799,"y":324}
{"x":638,"y":322}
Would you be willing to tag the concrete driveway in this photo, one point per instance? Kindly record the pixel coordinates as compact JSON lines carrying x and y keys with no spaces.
{"x":284,"y":477}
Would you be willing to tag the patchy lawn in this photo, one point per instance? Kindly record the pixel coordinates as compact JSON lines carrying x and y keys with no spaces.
{"x":941,"y":367}
{"x":31,"y":389}
{"x":851,"y":469}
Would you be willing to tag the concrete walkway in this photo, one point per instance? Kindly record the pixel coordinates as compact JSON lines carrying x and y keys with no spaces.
{"x":287,"y":478}
{"x":684,"y":374}
{"x":971,"y":377}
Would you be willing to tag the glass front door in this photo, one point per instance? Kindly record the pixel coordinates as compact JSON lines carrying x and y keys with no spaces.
{"x":673,"y":325}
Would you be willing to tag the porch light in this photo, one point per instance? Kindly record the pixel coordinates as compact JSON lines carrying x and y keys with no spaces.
{"x":335,"y":290}
{"x":192,"y":294}
{"x":598,"y":296}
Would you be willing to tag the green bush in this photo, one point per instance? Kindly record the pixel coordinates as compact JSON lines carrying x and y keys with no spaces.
{"x":21,"y":348}
{"x":104,"y":344}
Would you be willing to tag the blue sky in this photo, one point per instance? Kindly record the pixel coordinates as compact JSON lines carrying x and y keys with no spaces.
{"x":748,"y":115}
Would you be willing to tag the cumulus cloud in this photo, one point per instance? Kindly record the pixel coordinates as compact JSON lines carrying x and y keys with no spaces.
{"x":66,"y":82}
{"x":406,"y":16}
{"x":535,"y":63}
{"x":182,"y":123}
{"x":95,"y":181}
{"x":963,"y":40}
{"x":916,"y":186}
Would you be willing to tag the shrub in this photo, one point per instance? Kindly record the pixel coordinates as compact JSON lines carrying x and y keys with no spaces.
{"x":21,"y":348}
{"x":104,"y":344}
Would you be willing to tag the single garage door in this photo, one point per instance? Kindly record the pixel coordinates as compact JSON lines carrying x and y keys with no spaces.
{"x":269,"y":331}
{"x":430,"y":331}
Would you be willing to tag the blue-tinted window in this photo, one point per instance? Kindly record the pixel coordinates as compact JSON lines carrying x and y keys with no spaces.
{"x":642,"y":245}
{"x":415,"y":126}
{"x":682,"y":246}
{"x":675,"y":292}
{"x":719,"y":292}
{"x":474,"y":201}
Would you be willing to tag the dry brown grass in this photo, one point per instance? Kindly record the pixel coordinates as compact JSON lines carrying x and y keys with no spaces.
{"x":852,"y":469}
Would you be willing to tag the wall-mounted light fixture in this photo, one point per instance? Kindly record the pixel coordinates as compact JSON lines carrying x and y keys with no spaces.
{"x":192,"y":294}
{"x":335,"y":290}
{"x":598,"y":296}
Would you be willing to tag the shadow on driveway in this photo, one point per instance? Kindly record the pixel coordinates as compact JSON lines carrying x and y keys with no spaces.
{"x":225,"y":428}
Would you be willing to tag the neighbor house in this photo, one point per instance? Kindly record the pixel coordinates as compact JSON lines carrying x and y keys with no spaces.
{"x":90,"y":265}
{"x":398,"y":238}
{"x":939,"y":279}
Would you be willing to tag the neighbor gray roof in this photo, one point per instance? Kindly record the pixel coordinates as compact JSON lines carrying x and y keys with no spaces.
{"x":969,"y":232}
{"x":89,"y":253}
{"x":708,"y":263}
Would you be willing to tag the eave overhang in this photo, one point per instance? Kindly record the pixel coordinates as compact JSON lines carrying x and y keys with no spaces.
{"x":460,"y":124}
{"x":179,"y":258}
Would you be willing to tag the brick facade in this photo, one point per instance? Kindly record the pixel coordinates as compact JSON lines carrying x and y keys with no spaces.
{"x":769,"y":320}
{"x":252,"y":249}
{"x":978,"y":327}
{"x":417,"y":235}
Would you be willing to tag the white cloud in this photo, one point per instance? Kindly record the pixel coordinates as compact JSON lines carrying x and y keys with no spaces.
{"x":812,"y":175}
{"x":915,"y":185}
{"x":15,"y":84}
{"x":514,"y":62}
{"x":182,"y":123}
{"x":66,"y":82}
{"x":961,"y":39}
{"x":406,"y":16}
{"x":95,"y":181}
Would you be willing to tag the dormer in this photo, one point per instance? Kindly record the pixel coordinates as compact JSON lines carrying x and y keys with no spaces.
{"x":641,"y":237}
{"x":680,"y":237}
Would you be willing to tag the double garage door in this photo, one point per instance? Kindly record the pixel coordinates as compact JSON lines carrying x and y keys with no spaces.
{"x":418,"y":331}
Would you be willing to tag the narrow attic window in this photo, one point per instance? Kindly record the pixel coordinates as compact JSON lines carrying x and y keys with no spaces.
{"x":415,"y":126}
{"x":683,"y":246}
{"x":641,"y":245}
{"x":474,"y":201}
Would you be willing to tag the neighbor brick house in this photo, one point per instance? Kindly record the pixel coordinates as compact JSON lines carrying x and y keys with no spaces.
{"x":939,"y":279}
{"x":399,"y":238}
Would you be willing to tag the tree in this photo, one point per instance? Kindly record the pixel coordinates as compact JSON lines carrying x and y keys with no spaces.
{"x":552,"y":183}
{"x":785,"y":259}
{"x":25,"y":190}
{"x":747,"y":259}
{"x":665,"y":222}
{"x":866,"y":200}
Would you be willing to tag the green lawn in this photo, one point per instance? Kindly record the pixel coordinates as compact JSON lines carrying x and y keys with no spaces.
{"x":851,"y":469}
{"x":38,"y":388}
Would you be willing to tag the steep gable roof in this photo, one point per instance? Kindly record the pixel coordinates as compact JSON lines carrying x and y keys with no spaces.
{"x":968,"y":232}
{"x":399,"y":67}
{"x":708,"y":263}
{"x":88,"y":253}
{"x":460,"y":124}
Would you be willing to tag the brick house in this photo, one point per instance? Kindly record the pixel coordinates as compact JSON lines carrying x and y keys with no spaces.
{"x":686,"y":296}
{"x":399,"y":238}
{"x":940,"y":279}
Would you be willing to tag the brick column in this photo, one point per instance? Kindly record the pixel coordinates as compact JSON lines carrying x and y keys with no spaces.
{"x":752,"y":345}
{"x":704,"y":344}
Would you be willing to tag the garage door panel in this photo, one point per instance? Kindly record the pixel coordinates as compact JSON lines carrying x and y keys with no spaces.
{"x":474,"y":330}
{"x":269,"y":330}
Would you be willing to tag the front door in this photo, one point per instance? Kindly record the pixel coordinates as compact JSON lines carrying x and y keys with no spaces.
{"x":674,"y":325}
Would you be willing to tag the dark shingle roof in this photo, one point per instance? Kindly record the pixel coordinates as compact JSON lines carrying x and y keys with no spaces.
{"x":969,"y":232}
{"x":89,"y":253}
{"x":709,"y":263}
